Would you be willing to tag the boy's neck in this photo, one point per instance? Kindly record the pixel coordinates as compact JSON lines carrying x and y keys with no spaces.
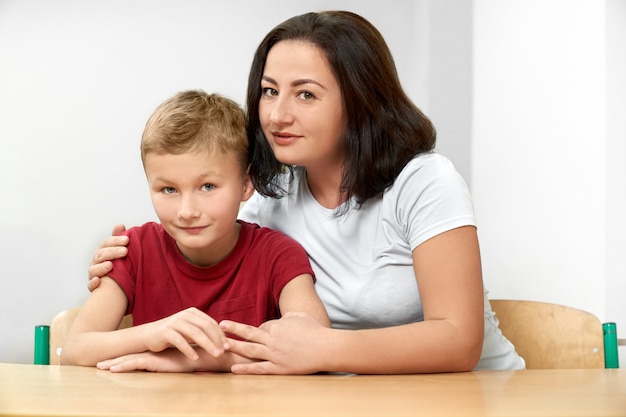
{"x":213,"y":254}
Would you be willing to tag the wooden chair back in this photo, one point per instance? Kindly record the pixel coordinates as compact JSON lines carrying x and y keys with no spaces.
{"x":60,"y":326}
{"x":551,"y":336}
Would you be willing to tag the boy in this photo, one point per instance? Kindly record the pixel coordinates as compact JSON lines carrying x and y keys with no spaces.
{"x":199,"y":265}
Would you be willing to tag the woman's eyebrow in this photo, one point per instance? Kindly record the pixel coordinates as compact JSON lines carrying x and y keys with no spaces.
{"x":295,"y":83}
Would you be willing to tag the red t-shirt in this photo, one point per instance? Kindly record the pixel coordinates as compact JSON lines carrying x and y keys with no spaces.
{"x":244,"y":287}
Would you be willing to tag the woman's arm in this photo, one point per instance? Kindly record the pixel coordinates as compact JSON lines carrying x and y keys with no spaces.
{"x":449,"y":339}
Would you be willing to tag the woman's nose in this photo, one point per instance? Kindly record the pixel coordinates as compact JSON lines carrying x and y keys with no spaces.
{"x":281,"y":111}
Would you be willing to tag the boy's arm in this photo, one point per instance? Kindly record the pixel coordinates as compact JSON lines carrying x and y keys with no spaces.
{"x":299,"y":304}
{"x":299,"y":295}
{"x":172,"y":360}
{"x":94,"y":336}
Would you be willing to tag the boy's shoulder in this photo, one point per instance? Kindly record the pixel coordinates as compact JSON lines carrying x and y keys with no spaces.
{"x":262,"y":245}
{"x":147,"y":237}
{"x":146,"y":229}
{"x":255,"y":232}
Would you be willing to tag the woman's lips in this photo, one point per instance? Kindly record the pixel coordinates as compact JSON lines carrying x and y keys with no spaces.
{"x":284,"y":138}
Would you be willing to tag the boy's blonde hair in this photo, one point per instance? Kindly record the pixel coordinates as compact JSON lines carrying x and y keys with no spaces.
{"x":194,"y":121}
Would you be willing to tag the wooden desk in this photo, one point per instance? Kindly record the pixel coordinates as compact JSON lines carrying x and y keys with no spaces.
{"x":39,"y":390}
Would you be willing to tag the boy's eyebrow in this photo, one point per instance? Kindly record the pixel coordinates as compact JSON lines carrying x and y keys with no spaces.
{"x":208,"y":174}
{"x":295,"y":83}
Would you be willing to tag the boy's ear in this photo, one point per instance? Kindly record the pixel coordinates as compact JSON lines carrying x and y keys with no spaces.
{"x":248,"y":188}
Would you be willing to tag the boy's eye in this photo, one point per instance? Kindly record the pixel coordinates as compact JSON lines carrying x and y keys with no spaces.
{"x":169,"y":190}
{"x":208,"y":187}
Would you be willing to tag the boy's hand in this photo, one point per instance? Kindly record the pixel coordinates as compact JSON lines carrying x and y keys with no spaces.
{"x":184,"y":329}
{"x":170,"y":360}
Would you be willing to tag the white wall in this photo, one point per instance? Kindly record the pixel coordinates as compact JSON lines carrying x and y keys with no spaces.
{"x":615,"y":290}
{"x":79,"y":78}
{"x":548,"y":174}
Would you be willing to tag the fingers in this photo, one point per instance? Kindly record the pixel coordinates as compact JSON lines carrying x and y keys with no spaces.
{"x":205,"y":332}
{"x":169,"y":360}
{"x":121,"y":364}
{"x":250,"y":350}
{"x":98,"y":270}
{"x":112,"y":248}
{"x":105,"y":365}
{"x":255,"y":368}
{"x":118,"y":229}
{"x":254,"y":343}
{"x":93,"y":283}
{"x":191,"y":326}
{"x":128,"y":363}
{"x":245,"y":331}
{"x":183,"y":344}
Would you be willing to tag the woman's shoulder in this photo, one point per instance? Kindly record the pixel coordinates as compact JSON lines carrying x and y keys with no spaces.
{"x":429,"y":161}
{"x":427,"y":169}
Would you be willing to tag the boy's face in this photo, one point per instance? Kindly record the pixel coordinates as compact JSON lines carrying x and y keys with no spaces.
{"x":196,"y":197}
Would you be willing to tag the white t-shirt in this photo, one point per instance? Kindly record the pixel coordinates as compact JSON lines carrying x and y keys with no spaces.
{"x":363,"y":260}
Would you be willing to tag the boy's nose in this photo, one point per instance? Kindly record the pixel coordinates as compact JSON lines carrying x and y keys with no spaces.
{"x":189,"y":209}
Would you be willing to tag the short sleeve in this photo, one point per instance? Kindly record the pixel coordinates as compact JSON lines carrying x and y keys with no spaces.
{"x":431,"y":197}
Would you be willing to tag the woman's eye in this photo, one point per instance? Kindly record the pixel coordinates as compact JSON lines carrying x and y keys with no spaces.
{"x":169,"y":190}
{"x":208,"y":187}
{"x":306,"y":95}
{"x":268,"y":91}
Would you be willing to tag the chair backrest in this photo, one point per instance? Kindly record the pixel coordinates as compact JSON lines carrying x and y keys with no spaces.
{"x":551,"y":336}
{"x":60,"y":326}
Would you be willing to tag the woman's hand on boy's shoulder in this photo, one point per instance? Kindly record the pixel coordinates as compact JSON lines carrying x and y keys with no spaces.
{"x":113,"y":247}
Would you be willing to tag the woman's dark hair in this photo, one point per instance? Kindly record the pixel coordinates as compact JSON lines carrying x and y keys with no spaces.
{"x":384,"y":130}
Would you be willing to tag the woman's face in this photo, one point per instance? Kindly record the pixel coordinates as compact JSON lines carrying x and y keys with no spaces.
{"x":301,"y":108}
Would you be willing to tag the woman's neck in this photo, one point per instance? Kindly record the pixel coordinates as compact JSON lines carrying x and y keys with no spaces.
{"x":324,"y":186}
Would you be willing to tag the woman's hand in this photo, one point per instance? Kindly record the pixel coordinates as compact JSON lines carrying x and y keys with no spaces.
{"x":290,"y":345}
{"x":112,"y":248}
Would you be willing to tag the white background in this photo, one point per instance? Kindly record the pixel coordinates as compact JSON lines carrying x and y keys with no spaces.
{"x":528,"y":98}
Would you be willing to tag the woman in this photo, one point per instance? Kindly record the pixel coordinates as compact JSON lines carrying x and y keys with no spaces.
{"x":343,"y":162}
